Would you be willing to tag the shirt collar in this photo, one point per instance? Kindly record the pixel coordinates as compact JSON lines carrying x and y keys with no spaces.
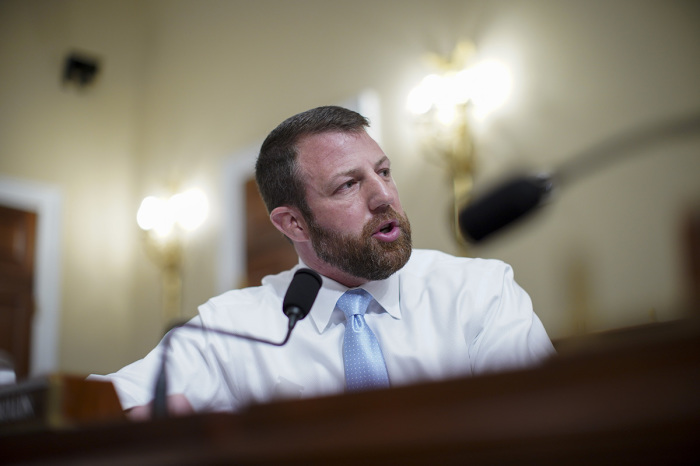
{"x":385,"y":292}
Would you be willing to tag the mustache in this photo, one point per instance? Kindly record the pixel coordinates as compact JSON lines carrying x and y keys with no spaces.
{"x":388,"y":215}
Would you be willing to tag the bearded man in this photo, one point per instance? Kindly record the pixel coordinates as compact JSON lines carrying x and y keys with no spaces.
{"x":424,"y":315}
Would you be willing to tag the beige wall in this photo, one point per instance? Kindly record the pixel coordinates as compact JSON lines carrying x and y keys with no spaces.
{"x":185,"y":85}
{"x":83,"y":144}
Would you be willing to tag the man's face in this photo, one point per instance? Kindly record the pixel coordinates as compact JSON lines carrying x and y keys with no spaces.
{"x":358,"y":224}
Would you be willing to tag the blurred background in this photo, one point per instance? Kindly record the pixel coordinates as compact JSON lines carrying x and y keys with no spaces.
{"x":106,"y":102}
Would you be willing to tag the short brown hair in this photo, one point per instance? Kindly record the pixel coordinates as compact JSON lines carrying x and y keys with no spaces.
{"x":276,"y":170}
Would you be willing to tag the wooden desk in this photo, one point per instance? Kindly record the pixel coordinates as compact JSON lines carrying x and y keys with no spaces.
{"x":632,"y":401}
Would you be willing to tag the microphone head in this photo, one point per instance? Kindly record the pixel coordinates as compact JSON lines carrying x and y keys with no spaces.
{"x":503,"y":205}
{"x":301,"y":293}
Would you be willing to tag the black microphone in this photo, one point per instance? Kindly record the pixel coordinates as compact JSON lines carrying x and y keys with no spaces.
{"x":523,"y":194}
{"x":300,"y":296}
{"x":504,"y":205}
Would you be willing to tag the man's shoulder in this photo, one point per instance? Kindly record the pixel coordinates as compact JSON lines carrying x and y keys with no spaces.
{"x":241,"y":295}
{"x":449,"y":277}
{"x":251,"y":301}
{"x":428,"y":261}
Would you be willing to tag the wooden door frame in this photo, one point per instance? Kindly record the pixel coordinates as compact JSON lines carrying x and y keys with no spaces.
{"x":46,"y":202}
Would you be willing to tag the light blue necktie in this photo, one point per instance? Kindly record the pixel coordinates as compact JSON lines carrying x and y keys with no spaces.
{"x":364,"y":362}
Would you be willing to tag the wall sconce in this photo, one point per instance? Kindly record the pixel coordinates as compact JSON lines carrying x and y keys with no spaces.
{"x":163,"y":222}
{"x":443,"y":104}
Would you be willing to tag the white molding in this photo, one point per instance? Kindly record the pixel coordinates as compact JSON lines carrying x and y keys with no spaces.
{"x":46,"y":202}
{"x":237,"y":169}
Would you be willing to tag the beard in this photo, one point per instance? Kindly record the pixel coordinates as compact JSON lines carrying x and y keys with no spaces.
{"x":363,"y":256}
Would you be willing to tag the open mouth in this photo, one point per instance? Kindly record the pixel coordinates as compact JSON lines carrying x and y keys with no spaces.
{"x":387,"y":227}
{"x":388,"y":231}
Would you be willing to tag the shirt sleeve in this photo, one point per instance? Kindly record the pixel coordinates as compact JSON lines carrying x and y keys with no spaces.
{"x":134,"y":383}
{"x":191,"y":370}
{"x":512,"y":336}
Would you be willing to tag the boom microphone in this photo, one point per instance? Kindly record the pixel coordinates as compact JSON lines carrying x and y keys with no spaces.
{"x":504,"y":205}
{"x":523,"y":194}
{"x":300,"y":296}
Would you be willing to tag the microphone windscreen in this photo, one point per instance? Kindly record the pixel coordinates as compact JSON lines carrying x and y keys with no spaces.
{"x":502,"y":206}
{"x":302,"y":291}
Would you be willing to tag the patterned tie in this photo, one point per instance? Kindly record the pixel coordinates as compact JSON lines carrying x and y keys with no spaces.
{"x":364,"y":362}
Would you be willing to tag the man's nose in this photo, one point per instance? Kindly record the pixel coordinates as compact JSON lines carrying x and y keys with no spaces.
{"x":381,"y":193}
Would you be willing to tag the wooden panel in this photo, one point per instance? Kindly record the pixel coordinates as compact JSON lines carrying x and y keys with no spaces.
{"x":17,"y":239}
{"x":632,"y":400}
{"x":267,"y":250}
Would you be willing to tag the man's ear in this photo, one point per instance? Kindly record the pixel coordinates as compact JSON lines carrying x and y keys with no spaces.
{"x":290,"y":222}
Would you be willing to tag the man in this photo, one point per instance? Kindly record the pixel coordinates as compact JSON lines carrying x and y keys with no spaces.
{"x":431,"y":316}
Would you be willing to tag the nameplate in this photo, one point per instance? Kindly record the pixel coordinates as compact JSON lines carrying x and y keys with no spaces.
{"x":57,"y":401}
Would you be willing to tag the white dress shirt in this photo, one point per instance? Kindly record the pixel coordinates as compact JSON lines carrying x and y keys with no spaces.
{"x":439,"y":317}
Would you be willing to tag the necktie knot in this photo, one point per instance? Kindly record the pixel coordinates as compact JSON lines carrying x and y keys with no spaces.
{"x":354,"y":302}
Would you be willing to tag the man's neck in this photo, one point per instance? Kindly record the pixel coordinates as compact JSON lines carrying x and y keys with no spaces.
{"x":312,"y":261}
